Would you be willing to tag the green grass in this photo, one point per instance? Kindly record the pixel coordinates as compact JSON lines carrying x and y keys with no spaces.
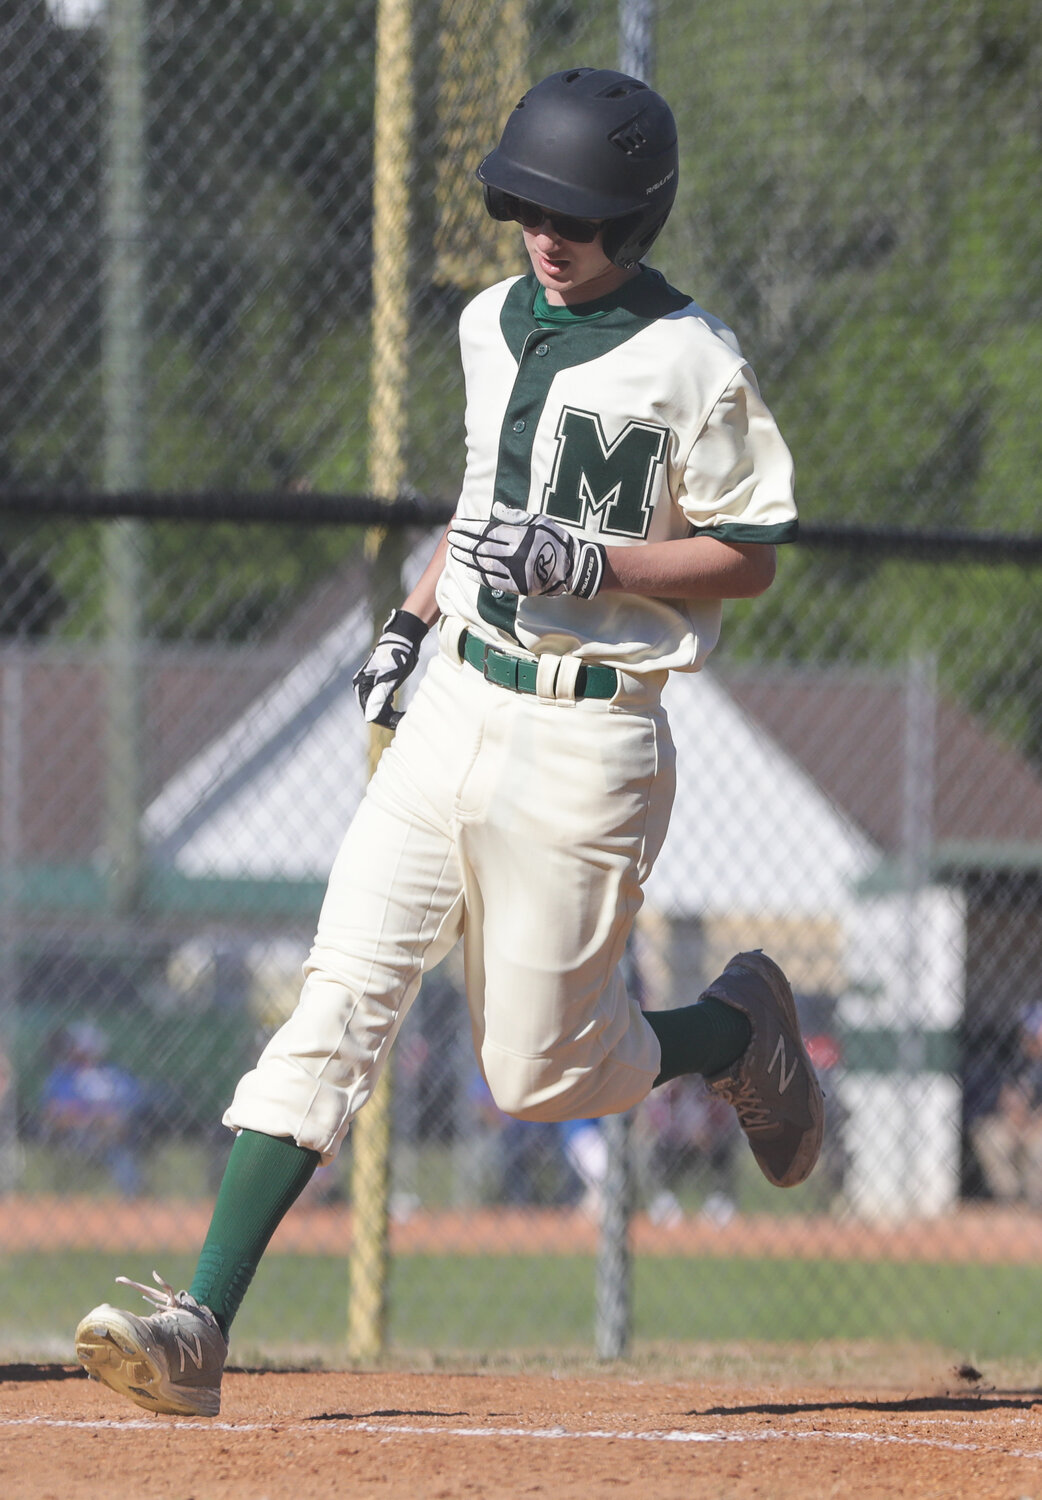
{"x":525,"y":1305}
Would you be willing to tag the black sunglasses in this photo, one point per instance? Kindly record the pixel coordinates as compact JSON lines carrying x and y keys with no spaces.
{"x":531,"y":215}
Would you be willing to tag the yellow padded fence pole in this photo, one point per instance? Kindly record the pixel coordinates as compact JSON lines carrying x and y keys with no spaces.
{"x":482,"y":53}
{"x":392,"y":150}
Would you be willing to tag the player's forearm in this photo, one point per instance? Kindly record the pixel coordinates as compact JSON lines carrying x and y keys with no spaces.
{"x":421,"y":600}
{"x":698,"y":567}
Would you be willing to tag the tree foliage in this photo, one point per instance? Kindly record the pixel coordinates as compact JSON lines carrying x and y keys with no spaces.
{"x":858,"y":198}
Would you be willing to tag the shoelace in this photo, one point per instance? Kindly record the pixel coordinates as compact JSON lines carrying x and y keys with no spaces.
{"x":753,"y":1113}
{"x":166,"y":1299}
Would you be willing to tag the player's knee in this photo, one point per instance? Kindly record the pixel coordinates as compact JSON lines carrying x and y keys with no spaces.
{"x":533,"y":1089}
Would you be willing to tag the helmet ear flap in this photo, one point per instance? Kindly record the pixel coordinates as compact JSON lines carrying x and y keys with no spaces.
{"x":499,"y":204}
{"x":627,"y":240}
{"x":615,"y":238}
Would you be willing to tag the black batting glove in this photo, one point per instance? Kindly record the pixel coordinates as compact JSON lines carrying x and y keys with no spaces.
{"x":387,"y":666}
{"x":517,"y":552}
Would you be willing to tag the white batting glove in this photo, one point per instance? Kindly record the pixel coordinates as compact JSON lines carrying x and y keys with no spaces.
{"x":387,"y":666}
{"x":517,"y":552}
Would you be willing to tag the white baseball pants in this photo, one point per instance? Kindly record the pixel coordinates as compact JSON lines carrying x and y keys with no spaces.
{"x":525,"y":824}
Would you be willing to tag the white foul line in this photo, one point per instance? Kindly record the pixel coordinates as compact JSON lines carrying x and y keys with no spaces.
{"x":555,"y":1434}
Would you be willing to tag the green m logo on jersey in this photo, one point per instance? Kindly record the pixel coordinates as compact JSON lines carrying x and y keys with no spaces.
{"x":617,"y":479}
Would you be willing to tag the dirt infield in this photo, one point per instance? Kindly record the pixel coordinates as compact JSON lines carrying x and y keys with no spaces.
{"x":438,"y":1436}
{"x":719,"y":1422}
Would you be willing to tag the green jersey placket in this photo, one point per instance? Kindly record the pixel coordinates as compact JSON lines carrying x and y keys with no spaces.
{"x":542,"y":351}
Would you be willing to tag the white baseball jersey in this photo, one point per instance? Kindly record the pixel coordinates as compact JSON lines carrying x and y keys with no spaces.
{"x":632,"y":419}
{"x":527,"y":823}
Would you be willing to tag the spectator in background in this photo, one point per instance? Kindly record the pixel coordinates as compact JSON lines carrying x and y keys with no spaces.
{"x":1008,"y":1141}
{"x":586,"y":1152}
{"x":91,"y":1108}
{"x":687,"y":1131}
{"x":530,"y":1162}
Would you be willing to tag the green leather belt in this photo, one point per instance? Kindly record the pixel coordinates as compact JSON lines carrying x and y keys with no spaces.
{"x":517,"y":674}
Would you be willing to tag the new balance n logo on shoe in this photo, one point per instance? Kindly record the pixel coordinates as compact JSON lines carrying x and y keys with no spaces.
{"x":778,"y":1102}
{"x":183,"y":1348}
{"x":784,"y":1079}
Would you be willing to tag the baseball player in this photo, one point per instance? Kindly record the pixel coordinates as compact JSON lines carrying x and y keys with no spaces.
{"x":623,"y":477}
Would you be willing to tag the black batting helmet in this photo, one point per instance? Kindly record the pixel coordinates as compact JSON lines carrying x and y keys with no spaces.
{"x":594,"y":144}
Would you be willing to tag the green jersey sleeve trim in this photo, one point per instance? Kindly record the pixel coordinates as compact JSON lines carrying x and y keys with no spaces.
{"x":735,"y":531}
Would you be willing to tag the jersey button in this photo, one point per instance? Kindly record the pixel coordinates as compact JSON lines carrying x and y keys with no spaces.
{"x":542,"y":348}
{"x":519,"y":425}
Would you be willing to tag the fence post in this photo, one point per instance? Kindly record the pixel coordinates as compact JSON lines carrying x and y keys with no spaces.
{"x":614,"y":1263}
{"x":614,"y":1294}
{"x":123,"y":379}
{"x":392,"y":149}
{"x":917,"y":817}
{"x":614,"y":1268}
{"x":12,"y":721}
{"x":482,"y":57}
{"x":637,"y":39}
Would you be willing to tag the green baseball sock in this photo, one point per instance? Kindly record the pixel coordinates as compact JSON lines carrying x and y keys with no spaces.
{"x":263,"y":1179}
{"x":702,"y":1038}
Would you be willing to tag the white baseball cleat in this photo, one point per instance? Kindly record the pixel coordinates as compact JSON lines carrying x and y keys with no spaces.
{"x":171,"y":1361}
{"x":773,"y":1085}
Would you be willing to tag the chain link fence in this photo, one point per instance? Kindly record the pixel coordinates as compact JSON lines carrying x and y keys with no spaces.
{"x":188,"y":342}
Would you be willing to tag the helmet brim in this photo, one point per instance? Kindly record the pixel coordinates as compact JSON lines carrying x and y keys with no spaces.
{"x":499,"y":171}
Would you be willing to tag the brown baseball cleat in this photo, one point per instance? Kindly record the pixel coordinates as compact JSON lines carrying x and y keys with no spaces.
{"x":773,"y":1085}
